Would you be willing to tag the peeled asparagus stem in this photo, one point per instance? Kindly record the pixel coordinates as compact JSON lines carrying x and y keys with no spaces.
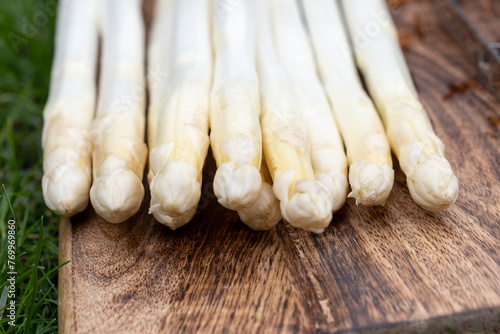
{"x":305,"y":202}
{"x":234,"y":114}
{"x":118,"y":131}
{"x":431,"y":181}
{"x":327,"y":150}
{"x":370,"y":174}
{"x":181,"y":142}
{"x":70,"y":109}
{"x":264,"y":213}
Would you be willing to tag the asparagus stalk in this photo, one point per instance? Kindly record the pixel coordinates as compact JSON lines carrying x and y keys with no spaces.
{"x":430,"y":178}
{"x":70,"y":109}
{"x":370,"y":174}
{"x":181,"y":141}
{"x":159,"y":72}
{"x":118,"y":131}
{"x":305,"y":202}
{"x":234,"y":115}
{"x":327,"y":151}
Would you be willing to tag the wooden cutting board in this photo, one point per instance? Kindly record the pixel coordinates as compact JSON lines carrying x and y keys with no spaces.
{"x":395,"y":269}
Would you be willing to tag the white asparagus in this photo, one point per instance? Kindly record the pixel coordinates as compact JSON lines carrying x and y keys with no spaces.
{"x":181,"y":141}
{"x":70,"y":109}
{"x":370,"y":174}
{"x":159,"y":58}
{"x":234,"y":114}
{"x":119,"y":154}
{"x":430,"y":178}
{"x":265,"y":212}
{"x":327,"y":150}
{"x":305,"y":202}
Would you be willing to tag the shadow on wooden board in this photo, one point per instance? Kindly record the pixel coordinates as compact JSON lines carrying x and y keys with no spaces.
{"x":393,"y":269}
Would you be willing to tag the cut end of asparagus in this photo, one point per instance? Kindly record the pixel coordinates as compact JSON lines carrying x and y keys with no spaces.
{"x":433,"y":185}
{"x":175,"y":189}
{"x":265,"y":213}
{"x":117,"y":194}
{"x":310,"y":205}
{"x":237,"y":186}
{"x":66,"y":182}
{"x":371,"y":182}
{"x":172,"y":223}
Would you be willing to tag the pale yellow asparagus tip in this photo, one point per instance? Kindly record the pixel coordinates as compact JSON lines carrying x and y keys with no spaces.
{"x":371,"y":182}
{"x":264,"y":213}
{"x":237,"y":186}
{"x":430,"y":178}
{"x":237,"y":183}
{"x":65,"y":184}
{"x":117,"y":191}
{"x":117,"y":194}
{"x":175,"y":190}
{"x":310,"y":205}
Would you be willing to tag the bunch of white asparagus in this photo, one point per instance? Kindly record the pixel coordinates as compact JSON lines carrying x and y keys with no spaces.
{"x":248,"y":72}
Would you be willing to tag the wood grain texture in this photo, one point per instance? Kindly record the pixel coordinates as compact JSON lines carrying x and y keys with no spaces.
{"x":395,"y":269}
{"x":484,"y":14}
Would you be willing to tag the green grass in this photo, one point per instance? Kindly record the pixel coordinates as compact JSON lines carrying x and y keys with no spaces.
{"x":25,"y":60}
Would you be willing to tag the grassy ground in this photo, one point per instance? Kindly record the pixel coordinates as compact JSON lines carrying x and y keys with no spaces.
{"x":26,"y":31}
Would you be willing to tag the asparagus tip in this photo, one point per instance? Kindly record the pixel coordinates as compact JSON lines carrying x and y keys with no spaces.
{"x":433,"y":185}
{"x":371,"y":182}
{"x":237,"y":186}
{"x":117,"y":194}
{"x":176,"y":188}
{"x":65,"y":187}
{"x":310,"y":205}
{"x":265,"y":213}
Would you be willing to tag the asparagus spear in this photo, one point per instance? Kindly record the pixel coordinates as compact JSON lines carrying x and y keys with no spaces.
{"x":430,"y":178}
{"x":69,"y":110}
{"x":370,"y":174}
{"x":304,"y":202}
{"x":181,"y":140}
{"x":159,"y":73}
{"x":119,"y":154}
{"x":327,"y":151}
{"x":234,"y":115}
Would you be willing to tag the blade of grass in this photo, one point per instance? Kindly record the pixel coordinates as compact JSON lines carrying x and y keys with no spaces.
{"x":3,"y":301}
{"x":34,"y":281}
{"x":6,"y":196}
